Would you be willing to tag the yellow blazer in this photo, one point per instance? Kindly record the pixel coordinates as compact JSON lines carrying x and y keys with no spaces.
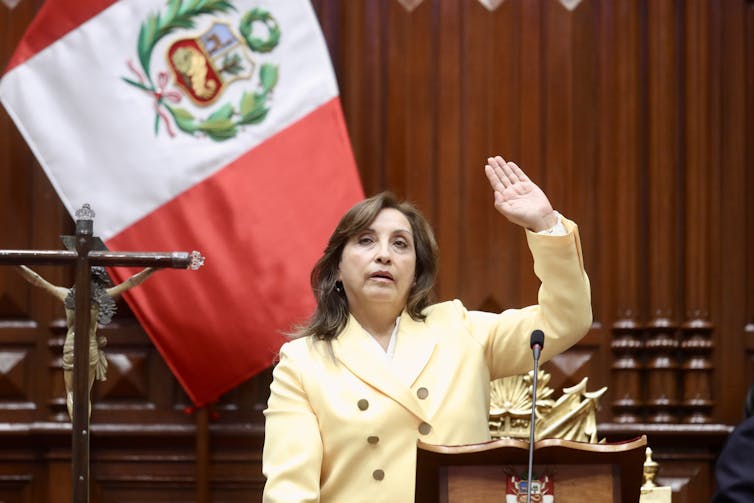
{"x":342,"y":422}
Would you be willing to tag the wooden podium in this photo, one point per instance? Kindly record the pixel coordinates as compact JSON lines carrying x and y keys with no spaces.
{"x":580,"y":471}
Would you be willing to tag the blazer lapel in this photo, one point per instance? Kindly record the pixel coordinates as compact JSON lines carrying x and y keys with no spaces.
{"x":356,"y":351}
{"x":414,"y":346}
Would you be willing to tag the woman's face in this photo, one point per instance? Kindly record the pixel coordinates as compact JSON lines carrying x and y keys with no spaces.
{"x":378,"y":264}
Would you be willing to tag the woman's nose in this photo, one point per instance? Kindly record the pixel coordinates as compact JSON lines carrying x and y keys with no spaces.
{"x":383,"y":259}
{"x":383,"y":253}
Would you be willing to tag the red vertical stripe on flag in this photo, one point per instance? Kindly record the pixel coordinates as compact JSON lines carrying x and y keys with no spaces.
{"x":262,"y":222}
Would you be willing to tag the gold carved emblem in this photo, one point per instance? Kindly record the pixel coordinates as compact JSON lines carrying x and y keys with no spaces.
{"x":571,"y":417}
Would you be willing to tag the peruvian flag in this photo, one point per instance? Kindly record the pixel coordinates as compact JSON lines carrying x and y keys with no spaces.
{"x":194,"y":125}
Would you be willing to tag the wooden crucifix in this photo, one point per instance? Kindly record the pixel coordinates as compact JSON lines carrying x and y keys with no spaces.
{"x":84,"y":258}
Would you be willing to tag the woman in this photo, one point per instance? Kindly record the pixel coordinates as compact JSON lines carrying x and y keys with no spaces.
{"x":378,"y":368}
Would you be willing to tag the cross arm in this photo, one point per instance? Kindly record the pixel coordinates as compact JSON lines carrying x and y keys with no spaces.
{"x":37,"y":257}
{"x":175,"y":260}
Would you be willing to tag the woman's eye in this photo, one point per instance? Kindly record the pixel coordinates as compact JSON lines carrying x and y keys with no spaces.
{"x":401,"y":244}
{"x":365,"y":240}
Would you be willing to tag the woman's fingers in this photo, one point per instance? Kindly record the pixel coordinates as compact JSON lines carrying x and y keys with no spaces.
{"x":500,"y":169}
{"x":518,"y":172}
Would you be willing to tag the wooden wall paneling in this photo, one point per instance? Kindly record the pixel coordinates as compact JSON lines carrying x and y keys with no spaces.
{"x":503,"y":78}
{"x":570,"y":61}
{"x":698,"y":344}
{"x":509,"y":265}
{"x":54,"y":407}
{"x":362,"y":79}
{"x":127,"y":384}
{"x":169,"y":477}
{"x":58,"y":466}
{"x":139,"y":388}
{"x":398,"y":79}
{"x":447,"y":144}
{"x":14,"y":184}
{"x":685,"y":452}
{"x":243,"y":405}
{"x":586,"y":359}
{"x":138,"y":476}
{"x":623,"y":375}
{"x":690,"y":481}
{"x":14,"y":22}
{"x":585,"y":61}
{"x":579,"y":198}
{"x":731,"y":252}
{"x":19,"y":371}
{"x":530,"y":148}
{"x":558,"y":40}
{"x":570,"y":105}
{"x":702,"y":163}
{"x":662,"y":165}
{"x":151,"y":464}
{"x":662,"y":342}
{"x":15,"y":199}
{"x":493,"y":117}
{"x":420,"y":85}
{"x":478,"y":219}
{"x":619,"y":154}
{"x":19,"y":478}
{"x":661,"y":359}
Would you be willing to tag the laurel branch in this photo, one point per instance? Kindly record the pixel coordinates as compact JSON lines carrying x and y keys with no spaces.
{"x":222,"y":123}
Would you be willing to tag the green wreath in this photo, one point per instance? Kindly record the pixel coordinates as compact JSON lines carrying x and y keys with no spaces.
{"x":222,"y":123}
{"x":273,"y":31}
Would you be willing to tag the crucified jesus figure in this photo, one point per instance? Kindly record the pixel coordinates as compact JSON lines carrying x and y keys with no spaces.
{"x":103,"y":307}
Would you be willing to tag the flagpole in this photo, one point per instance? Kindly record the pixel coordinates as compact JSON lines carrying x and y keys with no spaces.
{"x":202,"y":455}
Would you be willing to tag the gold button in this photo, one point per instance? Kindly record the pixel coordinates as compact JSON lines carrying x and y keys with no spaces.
{"x":373,"y":439}
{"x":425,"y":428}
{"x":378,"y":474}
{"x":422,"y":393}
{"x":363,"y":404}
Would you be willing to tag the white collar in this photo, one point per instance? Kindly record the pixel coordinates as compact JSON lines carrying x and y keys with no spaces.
{"x":390,"y":351}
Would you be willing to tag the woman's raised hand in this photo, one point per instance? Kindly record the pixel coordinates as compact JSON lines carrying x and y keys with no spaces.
{"x":517,"y":198}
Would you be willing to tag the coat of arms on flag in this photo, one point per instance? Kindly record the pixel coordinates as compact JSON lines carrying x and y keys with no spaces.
{"x":542,"y":489}
{"x":204,"y":64}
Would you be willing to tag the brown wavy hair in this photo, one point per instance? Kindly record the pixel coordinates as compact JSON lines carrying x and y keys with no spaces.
{"x":331,"y":313}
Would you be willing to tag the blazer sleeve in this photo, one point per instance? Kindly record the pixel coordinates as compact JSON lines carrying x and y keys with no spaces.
{"x":292,"y":454}
{"x":563,"y":312}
